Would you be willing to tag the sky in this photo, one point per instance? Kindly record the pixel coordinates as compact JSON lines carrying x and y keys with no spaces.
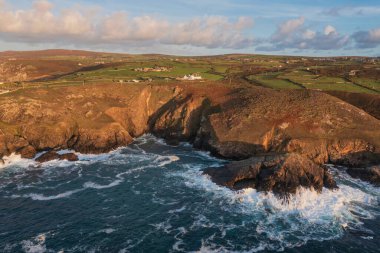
{"x":194,"y":27}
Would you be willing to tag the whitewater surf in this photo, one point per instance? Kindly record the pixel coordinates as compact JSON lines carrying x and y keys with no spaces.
{"x":153,"y":197}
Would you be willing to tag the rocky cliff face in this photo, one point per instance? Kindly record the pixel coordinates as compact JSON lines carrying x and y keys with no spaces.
{"x":323,"y":128}
{"x":233,"y":123}
{"x":281,"y":174}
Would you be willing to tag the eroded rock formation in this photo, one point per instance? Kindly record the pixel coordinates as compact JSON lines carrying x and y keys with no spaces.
{"x":278,"y":173}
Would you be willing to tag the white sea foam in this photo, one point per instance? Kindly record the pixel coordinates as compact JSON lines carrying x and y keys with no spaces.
{"x":107,"y":230}
{"x":42,"y":197}
{"x":14,"y":160}
{"x":165,"y":160}
{"x":35,"y":245}
{"x":306,"y":215}
{"x":98,"y":186}
{"x":178,"y":210}
{"x":311,"y":205}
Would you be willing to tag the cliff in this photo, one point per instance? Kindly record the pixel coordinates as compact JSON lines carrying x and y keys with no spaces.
{"x":231,"y":122}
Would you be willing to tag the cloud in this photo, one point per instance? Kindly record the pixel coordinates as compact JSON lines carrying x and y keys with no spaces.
{"x":350,"y":11}
{"x":308,"y":34}
{"x":42,"y":23}
{"x":329,"y":29}
{"x":367,"y":39}
{"x":292,"y":34}
{"x":211,"y":32}
{"x":287,"y":28}
{"x":39,"y":23}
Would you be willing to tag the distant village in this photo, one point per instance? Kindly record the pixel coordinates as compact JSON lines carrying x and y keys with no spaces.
{"x":154,"y":69}
{"x":190,"y":77}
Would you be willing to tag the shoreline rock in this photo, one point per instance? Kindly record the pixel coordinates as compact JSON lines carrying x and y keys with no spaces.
{"x":371,"y":174}
{"x":281,"y":174}
{"x":53,"y":155}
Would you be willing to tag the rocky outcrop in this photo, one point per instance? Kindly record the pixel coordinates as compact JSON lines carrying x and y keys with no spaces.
{"x":319,"y":126}
{"x":179,"y":119}
{"x":346,"y":152}
{"x":101,"y":140}
{"x":281,"y":174}
{"x":53,"y":155}
{"x":371,"y":174}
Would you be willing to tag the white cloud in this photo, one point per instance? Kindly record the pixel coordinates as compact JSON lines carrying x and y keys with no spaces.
{"x":292,"y":34}
{"x":329,"y":29}
{"x":288,"y":27}
{"x":308,"y":34}
{"x":41,"y":23}
{"x":367,"y":39}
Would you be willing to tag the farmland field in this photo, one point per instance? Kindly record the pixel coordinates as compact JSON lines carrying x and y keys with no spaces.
{"x":60,"y":68}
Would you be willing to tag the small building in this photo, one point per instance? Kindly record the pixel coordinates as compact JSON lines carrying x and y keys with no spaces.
{"x":353,"y":72}
{"x":191,"y":77}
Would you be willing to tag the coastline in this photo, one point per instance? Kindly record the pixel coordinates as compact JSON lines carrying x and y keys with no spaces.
{"x":233,"y":123}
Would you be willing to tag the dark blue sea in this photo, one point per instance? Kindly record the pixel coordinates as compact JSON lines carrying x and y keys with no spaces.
{"x":151,"y":197}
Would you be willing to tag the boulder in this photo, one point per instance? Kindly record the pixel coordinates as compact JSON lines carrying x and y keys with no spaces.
{"x":280,"y":173}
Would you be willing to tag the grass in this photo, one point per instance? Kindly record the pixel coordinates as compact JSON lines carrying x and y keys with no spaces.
{"x":271,"y":81}
{"x":370,"y":83}
{"x":316,"y":82}
{"x":212,"y":68}
{"x":297,"y":79}
{"x":126,"y":71}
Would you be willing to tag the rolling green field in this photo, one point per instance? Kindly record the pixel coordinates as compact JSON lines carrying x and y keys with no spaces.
{"x":370,"y":83}
{"x":298,"y":79}
{"x":126,"y":72}
{"x":276,"y":72}
{"x":272,"y":81}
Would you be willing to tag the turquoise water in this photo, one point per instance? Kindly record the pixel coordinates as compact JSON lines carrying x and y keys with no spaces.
{"x":150,"y":197}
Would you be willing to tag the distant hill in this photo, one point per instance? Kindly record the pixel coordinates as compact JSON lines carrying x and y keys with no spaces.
{"x":51,"y":53}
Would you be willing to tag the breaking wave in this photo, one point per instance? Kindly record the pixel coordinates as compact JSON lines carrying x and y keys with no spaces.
{"x":148,"y":194}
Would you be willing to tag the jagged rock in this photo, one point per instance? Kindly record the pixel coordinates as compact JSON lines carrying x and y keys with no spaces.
{"x":53,"y":155}
{"x":281,"y":174}
{"x":371,"y":174}
{"x":102,"y":140}
{"x":48,"y":156}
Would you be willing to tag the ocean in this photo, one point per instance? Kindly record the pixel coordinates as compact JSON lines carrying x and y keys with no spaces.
{"x":151,"y":197}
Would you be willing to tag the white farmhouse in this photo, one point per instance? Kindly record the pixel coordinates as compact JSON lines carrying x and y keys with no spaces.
{"x":191,"y":77}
